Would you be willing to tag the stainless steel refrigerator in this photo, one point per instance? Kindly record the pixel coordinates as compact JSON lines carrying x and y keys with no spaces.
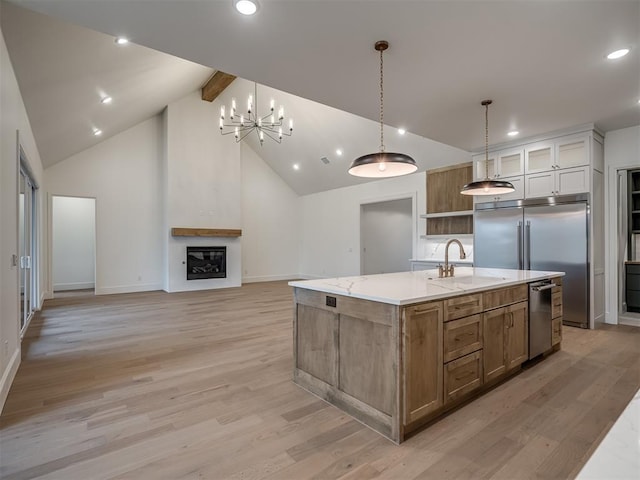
{"x":539,"y":234}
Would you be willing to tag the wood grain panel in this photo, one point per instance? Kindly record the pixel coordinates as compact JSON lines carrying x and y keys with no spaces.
{"x":556,"y":331}
{"x":556,"y":304}
{"x":505,"y":296}
{"x":462,"y":306}
{"x":462,"y":336}
{"x":316,"y":345}
{"x":494,"y":352}
{"x":462,"y":376}
{"x":517,"y":334}
{"x":457,"y":225}
{"x":372,"y":311}
{"x":423,"y":378}
{"x":443,"y":189}
{"x":367,"y":362}
{"x":205,"y":232}
{"x":216,"y":85}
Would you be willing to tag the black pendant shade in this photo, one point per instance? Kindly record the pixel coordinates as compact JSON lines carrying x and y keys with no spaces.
{"x":383,"y":164}
{"x":487,"y":186}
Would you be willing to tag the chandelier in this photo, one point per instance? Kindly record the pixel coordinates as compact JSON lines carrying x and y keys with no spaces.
{"x":242,"y":124}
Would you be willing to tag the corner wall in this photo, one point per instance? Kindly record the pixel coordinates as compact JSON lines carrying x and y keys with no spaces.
{"x":13,"y":118}
{"x":330,"y":221}
{"x":123,"y":174}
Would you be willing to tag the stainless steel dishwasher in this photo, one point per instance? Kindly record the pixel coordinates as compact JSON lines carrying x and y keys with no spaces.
{"x":540,"y":317}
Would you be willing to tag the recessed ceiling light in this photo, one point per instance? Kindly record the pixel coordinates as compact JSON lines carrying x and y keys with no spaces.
{"x":339,"y":152}
{"x":246,"y":7}
{"x":402,"y":131}
{"x":97,"y":132}
{"x":296,"y":166}
{"x":106,"y":100}
{"x":122,"y":41}
{"x":618,"y":53}
{"x":513,"y":133}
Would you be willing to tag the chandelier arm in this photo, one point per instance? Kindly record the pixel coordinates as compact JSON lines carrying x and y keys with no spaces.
{"x":243,"y":133}
{"x":275,"y":139}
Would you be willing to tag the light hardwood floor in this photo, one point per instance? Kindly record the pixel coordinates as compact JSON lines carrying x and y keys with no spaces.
{"x":198,"y":385}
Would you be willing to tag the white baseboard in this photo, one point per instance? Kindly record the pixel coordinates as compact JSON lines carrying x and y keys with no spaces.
{"x":634,"y":322}
{"x":8,"y":376}
{"x":147,"y":287}
{"x":270,"y":278}
{"x":59,"y":287}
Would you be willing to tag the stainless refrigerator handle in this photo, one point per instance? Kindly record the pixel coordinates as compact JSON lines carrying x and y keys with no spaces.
{"x":520,"y":261}
{"x":527,"y":242}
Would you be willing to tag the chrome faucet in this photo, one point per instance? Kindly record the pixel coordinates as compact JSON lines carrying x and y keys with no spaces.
{"x":447,"y":271}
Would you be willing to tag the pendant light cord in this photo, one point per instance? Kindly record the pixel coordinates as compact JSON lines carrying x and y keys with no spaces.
{"x":486,"y":141}
{"x":381,"y":104}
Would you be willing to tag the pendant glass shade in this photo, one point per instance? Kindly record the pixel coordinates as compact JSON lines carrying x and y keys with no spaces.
{"x":383,"y":164}
{"x":487,"y":186}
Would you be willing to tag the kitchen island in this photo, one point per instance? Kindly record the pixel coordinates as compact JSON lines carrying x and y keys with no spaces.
{"x":398,"y":350}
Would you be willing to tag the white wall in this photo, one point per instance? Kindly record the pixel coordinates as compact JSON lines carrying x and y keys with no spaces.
{"x":331,"y":224}
{"x":123,"y":174}
{"x":621,"y":151}
{"x":202,"y":190}
{"x":13,"y":117}
{"x":386,"y":236}
{"x":270,"y":222}
{"x":73,"y":243}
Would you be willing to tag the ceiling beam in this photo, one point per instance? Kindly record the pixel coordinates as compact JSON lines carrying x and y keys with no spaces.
{"x":216,"y":84}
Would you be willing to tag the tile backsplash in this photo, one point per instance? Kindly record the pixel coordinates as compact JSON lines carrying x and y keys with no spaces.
{"x":433,"y":248}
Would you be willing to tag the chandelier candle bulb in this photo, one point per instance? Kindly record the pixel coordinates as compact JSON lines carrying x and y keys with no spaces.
{"x":221,"y":123}
{"x":236,"y":133}
{"x":280,"y":133}
{"x":281,"y":113}
{"x":222,"y":113}
{"x":242,"y":120}
{"x":273,"y":104}
{"x":249,"y":104}
{"x":291,"y":125}
{"x":273,"y":119}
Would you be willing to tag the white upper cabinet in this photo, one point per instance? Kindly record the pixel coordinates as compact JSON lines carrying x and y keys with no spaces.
{"x":565,"y":152}
{"x":564,"y":181}
{"x":572,"y":151}
{"x":539,"y":157}
{"x":503,"y":163}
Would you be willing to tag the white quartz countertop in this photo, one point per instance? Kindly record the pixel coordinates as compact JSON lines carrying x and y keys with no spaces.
{"x":405,"y":288}
{"x":455,"y":261}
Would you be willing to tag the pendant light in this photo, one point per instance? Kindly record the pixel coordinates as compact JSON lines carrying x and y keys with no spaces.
{"x":486,"y":186}
{"x":382,"y":164}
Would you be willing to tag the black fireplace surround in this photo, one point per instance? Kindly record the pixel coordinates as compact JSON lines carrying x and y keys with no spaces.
{"x":206,"y":262}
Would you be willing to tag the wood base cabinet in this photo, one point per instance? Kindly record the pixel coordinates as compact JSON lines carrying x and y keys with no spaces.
{"x":396,"y":368}
{"x":422,"y":326}
{"x":506,"y":333}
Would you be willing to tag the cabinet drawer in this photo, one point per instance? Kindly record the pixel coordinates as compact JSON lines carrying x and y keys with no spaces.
{"x":556,"y":304}
{"x":505,"y":296}
{"x":462,"y":376}
{"x":556,"y":331}
{"x":462,"y":336}
{"x":458,"y":307}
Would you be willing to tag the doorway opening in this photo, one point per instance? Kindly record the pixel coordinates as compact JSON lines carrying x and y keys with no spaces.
{"x":386,"y":236}
{"x":73,"y":235}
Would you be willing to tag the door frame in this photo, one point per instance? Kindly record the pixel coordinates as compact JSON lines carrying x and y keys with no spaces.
{"x":413,"y":196}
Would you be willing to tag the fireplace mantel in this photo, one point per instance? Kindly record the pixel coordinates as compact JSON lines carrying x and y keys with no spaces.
{"x":205,"y":232}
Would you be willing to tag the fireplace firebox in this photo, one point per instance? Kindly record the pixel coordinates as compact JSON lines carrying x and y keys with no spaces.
{"x":206,"y":262}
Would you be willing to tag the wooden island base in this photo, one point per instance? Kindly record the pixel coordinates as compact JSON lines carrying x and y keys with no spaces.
{"x":398,"y":367}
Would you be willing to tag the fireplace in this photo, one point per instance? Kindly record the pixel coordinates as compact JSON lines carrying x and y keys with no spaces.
{"x":206,"y":262}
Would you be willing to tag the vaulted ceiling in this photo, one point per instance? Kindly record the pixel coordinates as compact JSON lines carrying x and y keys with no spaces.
{"x":543,"y":63}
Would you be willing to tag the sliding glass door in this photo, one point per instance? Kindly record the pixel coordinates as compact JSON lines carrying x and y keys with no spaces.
{"x":26,"y":245}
